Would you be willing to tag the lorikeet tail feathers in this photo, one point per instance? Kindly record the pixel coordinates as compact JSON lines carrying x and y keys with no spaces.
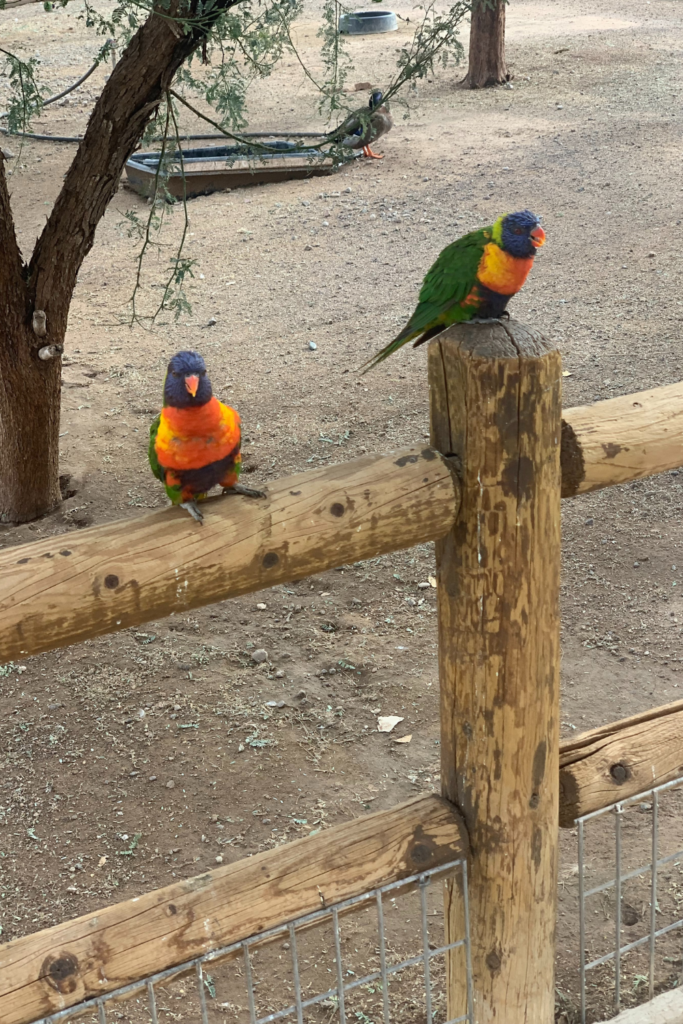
{"x":399,"y":341}
{"x":428,"y":335}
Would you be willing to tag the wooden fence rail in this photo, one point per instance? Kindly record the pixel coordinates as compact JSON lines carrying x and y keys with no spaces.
{"x":81,"y":585}
{"x":619,"y":760}
{"x":124,"y":943}
{"x":70,"y":588}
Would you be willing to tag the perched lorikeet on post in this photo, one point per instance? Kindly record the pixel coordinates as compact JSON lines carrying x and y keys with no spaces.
{"x":474,"y":277}
{"x":194,"y":443}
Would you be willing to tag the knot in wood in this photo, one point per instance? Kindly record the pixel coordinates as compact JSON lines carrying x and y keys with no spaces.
{"x":620,"y":773}
{"x":61,"y":972}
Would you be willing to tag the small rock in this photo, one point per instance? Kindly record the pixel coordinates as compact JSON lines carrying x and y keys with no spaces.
{"x":7,"y":153}
{"x":261,"y":607}
{"x":152,"y":778}
{"x":307,"y":248}
{"x":589,"y":521}
{"x":212,"y":322}
{"x":651,"y":254}
{"x":279,"y":674}
{"x":170,"y":784}
{"x":305,"y":202}
{"x":636,"y":565}
{"x":265,"y":821}
{"x":219,"y":859}
{"x":347,"y":189}
{"x":326,"y":224}
{"x":423,"y":586}
{"x":259,"y":656}
{"x":312,"y":345}
{"x":214,"y":819}
{"x":301,"y":694}
{"x":240,"y":748}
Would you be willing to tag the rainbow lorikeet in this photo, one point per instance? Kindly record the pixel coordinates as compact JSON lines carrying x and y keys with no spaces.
{"x":194,"y":443}
{"x":474,"y":277}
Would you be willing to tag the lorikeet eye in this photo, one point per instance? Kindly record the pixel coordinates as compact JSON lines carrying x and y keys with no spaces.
{"x":518,"y":231}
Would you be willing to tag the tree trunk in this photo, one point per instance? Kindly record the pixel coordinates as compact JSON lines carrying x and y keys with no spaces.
{"x":487,"y":45}
{"x":29,"y":427}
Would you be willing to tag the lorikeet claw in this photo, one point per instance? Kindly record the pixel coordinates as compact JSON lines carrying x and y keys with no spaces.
{"x":375,"y":156}
{"x":248,"y":492}
{"x":193,"y":509}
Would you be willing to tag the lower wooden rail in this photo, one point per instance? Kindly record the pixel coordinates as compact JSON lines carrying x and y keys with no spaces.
{"x":619,"y":760}
{"x":100,"y":952}
{"x":69,"y":588}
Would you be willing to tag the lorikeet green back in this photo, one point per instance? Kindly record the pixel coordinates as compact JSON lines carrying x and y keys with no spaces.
{"x":474,"y":276}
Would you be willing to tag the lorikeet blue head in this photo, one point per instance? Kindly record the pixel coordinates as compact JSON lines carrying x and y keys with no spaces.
{"x":520,"y":234}
{"x":186,"y":382}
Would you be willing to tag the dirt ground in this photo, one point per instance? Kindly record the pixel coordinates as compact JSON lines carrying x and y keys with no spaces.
{"x":153,"y":754}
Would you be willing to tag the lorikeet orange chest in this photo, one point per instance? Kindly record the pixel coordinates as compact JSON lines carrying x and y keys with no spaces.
{"x":198,"y":448}
{"x":195,"y":440}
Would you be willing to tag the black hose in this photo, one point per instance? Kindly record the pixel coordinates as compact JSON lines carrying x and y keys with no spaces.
{"x":53,"y":99}
{"x":181,"y":138}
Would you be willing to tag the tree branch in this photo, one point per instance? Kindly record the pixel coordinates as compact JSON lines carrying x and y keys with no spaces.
{"x":11,"y":264}
{"x":127,"y":103}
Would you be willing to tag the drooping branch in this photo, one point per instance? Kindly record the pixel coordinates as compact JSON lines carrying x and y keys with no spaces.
{"x":127,"y":103}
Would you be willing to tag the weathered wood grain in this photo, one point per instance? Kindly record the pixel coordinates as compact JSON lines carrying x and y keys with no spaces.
{"x":622,"y":439}
{"x":100,"y":952}
{"x":619,"y":760}
{"x":69,"y":588}
{"x":498,"y":599}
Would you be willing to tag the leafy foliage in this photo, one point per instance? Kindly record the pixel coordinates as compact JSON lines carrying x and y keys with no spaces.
{"x":26,"y":96}
{"x":239,"y":42}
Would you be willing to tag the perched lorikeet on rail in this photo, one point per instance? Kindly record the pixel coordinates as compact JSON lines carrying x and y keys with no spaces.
{"x":194,"y":443}
{"x":474,"y":277}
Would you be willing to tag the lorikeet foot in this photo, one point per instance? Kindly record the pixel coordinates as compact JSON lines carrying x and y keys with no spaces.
{"x":374,"y":156}
{"x":248,"y":492}
{"x":193,"y":509}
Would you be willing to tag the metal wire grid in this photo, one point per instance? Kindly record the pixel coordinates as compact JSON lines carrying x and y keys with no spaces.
{"x":422,"y":881}
{"x":655,"y":863}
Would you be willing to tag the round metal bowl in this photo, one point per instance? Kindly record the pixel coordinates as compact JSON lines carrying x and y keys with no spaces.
{"x":360,"y":23}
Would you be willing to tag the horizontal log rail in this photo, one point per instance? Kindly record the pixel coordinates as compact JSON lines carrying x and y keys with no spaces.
{"x":622,"y":439}
{"x":620,"y":760}
{"x":100,"y":952}
{"x":69,"y":588}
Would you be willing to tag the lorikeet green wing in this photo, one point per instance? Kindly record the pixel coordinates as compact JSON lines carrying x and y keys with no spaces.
{"x":174,"y":493}
{"x":445,"y":287}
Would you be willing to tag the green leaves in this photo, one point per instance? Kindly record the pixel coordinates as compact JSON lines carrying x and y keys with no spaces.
{"x":26,"y":97}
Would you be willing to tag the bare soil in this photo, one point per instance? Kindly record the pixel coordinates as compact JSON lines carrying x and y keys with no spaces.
{"x":128,"y":761}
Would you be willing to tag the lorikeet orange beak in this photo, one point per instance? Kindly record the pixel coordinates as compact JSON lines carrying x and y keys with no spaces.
{"x":537,"y":237}
{"x":192,"y":383}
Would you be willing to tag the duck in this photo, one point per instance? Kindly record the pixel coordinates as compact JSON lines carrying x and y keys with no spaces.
{"x":364,"y":129}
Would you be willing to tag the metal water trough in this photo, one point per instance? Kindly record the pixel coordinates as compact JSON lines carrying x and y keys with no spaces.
{"x":216,"y":168}
{"x":361,"y":23}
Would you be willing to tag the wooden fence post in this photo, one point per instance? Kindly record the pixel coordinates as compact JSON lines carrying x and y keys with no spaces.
{"x":496,"y":406}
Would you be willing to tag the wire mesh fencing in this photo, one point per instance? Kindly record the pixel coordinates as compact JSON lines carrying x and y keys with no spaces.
{"x":373,"y":959}
{"x":630,"y":891}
